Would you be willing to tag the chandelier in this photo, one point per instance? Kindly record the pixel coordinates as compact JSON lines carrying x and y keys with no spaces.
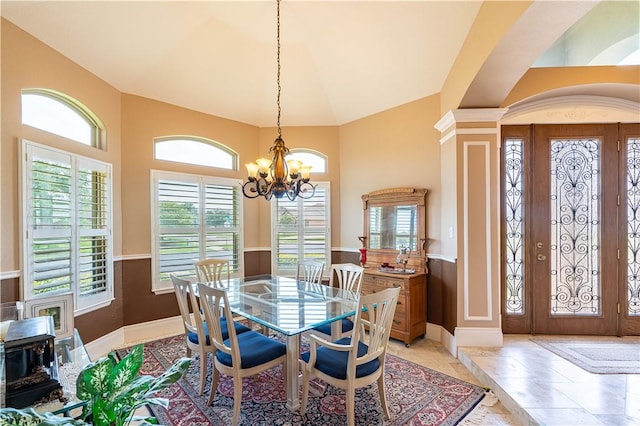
{"x":278,"y":177}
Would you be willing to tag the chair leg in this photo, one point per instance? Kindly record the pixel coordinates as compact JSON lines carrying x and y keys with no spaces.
{"x":204,"y":358}
{"x":383,"y":397}
{"x":214,"y":384}
{"x":351,"y":405}
{"x":237,"y":399}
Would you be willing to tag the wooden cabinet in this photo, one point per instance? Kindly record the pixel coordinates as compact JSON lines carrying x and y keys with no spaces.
{"x":410,"y":320}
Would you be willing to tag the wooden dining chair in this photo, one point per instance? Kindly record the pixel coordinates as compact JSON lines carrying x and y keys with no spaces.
{"x":196,"y":332}
{"x":355,"y":361}
{"x":310,"y":271}
{"x":241,"y":355}
{"x":213,"y":270}
{"x":346,"y":276}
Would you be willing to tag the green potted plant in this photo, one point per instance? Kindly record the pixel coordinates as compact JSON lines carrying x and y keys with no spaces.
{"x":29,"y":417}
{"x":114,"y":390}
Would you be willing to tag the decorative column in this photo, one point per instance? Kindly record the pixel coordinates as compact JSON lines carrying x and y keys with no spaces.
{"x":470,"y":148}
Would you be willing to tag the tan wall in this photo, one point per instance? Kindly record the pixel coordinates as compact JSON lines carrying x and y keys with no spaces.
{"x":28,"y":63}
{"x":394,"y":148}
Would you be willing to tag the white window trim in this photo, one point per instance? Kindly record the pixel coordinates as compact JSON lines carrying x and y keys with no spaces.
{"x":26,"y":288}
{"x":274,"y":258}
{"x":164,"y":287}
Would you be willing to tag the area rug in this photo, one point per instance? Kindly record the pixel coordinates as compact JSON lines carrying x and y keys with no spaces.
{"x":416,"y":395}
{"x":600,"y":357}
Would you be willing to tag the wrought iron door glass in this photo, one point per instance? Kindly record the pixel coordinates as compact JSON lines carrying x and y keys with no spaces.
{"x":575,"y":227}
{"x":514,"y":232}
{"x":633,"y":227}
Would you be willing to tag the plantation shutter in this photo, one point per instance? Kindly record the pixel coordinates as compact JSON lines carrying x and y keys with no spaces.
{"x":301,"y":230}
{"x":223,"y":224}
{"x":195,"y":217}
{"x":50,"y":216}
{"x":93,"y":231}
{"x":179,"y":230}
{"x":67,"y":208}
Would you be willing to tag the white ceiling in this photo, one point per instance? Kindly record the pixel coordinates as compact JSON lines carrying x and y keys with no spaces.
{"x":341,"y":60}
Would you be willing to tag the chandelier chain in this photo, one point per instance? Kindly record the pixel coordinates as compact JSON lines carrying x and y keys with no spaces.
{"x":278,"y":60}
{"x":278,"y":177}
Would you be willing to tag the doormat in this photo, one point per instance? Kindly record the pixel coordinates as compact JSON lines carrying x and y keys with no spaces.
{"x":600,"y":357}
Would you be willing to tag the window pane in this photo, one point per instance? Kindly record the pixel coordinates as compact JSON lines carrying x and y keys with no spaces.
{"x":51,"y":115}
{"x":301,"y":230}
{"x":194,"y":152}
{"x":318,"y":163}
{"x":93,"y":265}
{"x":179,"y":204}
{"x":51,"y":259}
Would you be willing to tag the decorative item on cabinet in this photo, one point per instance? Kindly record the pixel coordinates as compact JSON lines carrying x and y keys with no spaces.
{"x":363,"y":251}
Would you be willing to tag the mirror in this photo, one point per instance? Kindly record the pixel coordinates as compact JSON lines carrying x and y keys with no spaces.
{"x":395,"y":218}
{"x":392,"y":227}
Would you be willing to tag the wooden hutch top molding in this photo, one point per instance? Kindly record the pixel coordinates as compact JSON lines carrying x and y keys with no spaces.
{"x":408,"y":195}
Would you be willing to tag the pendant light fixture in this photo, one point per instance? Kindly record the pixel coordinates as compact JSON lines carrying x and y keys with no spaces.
{"x":278,"y":177}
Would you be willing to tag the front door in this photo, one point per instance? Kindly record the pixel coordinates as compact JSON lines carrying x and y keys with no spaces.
{"x":571,"y":232}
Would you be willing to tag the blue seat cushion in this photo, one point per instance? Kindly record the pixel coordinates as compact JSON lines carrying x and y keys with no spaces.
{"x":334,"y":363}
{"x":255,"y":349}
{"x":347,"y":325}
{"x":240,"y":328}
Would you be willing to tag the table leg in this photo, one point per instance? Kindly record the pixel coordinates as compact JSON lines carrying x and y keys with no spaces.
{"x":293,"y":380}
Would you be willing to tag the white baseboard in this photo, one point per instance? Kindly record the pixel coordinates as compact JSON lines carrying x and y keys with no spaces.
{"x":133,"y":334}
{"x":478,"y":336}
{"x":464,"y":336}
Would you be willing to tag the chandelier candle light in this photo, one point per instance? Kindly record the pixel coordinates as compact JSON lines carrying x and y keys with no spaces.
{"x":278,"y":177}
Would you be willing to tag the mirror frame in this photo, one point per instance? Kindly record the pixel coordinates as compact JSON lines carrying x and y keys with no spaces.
{"x":397,"y":197}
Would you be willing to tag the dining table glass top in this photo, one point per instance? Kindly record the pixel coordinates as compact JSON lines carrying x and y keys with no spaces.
{"x":287,"y":305}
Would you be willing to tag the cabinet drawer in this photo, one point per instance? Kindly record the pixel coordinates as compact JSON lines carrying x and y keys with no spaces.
{"x":383,"y":282}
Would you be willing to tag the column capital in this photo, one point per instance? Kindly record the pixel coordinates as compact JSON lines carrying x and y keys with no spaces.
{"x":475,"y":115}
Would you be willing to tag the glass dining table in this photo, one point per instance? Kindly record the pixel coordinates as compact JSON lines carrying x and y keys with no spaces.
{"x":290,"y":307}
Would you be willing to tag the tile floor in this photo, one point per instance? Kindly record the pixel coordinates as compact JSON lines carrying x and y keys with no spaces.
{"x":533,"y":385}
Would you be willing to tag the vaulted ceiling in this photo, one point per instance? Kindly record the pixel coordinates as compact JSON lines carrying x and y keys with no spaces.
{"x":341,"y":60}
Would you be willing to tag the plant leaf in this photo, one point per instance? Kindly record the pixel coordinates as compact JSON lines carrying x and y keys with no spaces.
{"x":93,"y":380}
{"x":103,"y":413}
{"x":127,"y":369}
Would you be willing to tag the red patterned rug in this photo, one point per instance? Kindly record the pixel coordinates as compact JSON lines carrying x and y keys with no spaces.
{"x":416,"y":395}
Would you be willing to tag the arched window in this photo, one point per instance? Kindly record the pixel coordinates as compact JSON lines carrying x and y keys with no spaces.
{"x":194,"y":150}
{"x":316,"y":160}
{"x":62,"y":115}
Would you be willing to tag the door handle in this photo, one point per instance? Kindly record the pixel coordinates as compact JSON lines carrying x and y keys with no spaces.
{"x":541,"y":256}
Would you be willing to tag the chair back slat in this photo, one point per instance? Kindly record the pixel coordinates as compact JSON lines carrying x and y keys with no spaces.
{"x":349,"y":276}
{"x":213,"y":270}
{"x":184,"y":296}
{"x":213,"y":302}
{"x":375,"y":311}
{"x":310,"y":271}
